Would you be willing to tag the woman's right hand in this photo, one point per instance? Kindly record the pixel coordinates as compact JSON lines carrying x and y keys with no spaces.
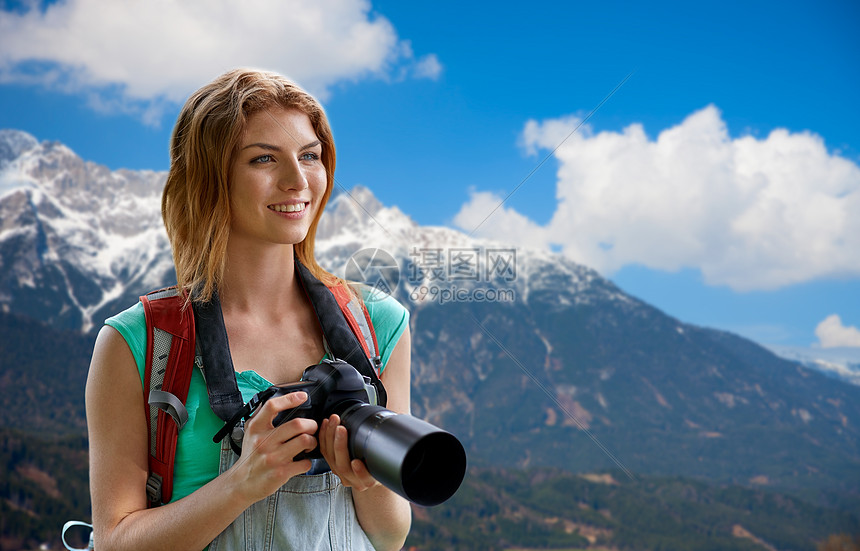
{"x":119,"y":453}
{"x":268,"y":452}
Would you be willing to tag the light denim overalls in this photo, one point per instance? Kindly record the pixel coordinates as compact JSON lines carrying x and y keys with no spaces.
{"x":308,"y":513}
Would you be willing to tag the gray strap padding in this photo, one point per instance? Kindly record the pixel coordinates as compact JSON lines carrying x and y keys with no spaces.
{"x":164,"y":293}
{"x":171,"y":405}
{"x":162,"y":341}
{"x":358,"y":313}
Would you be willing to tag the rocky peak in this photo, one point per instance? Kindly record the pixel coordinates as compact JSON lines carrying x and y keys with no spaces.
{"x":13,"y":143}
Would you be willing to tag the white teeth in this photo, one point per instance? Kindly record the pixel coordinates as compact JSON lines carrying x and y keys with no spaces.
{"x":288,"y":208}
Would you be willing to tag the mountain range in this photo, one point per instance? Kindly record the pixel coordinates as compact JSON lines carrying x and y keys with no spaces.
{"x":532,"y":360}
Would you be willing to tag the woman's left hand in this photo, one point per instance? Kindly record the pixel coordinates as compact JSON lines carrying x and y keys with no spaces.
{"x":333,"y":445}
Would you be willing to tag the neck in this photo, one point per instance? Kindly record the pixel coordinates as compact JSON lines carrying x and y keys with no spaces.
{"x":259,"y":281}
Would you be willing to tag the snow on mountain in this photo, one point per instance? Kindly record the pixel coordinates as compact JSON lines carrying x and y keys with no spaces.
{"x":13,"y":143}
{"x":444,"y":259}
{"x":78,"y":241}
{"x":841,"y":363}
{"x":74,"y":235}
{"x":572,"y":359}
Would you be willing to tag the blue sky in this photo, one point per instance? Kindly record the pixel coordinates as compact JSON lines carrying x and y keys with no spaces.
{"x":719,"y":182}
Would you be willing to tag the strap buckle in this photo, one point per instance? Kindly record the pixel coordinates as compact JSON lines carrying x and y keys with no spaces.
{"x":244,"y":413}
{"x":153,"y":488}
{"x":171,"y":405}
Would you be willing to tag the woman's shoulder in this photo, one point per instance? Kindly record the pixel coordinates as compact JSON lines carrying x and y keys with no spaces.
{"x":131,"y":324}
{"x":132,"y":315}
{"x":383,"y":308}
{"x":389,"y":318}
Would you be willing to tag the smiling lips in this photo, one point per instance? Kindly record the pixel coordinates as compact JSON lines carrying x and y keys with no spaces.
{"x":294,"y":207}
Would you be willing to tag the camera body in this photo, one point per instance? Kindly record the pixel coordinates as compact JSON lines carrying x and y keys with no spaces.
{"x":413,"y":458}
{"x":333,"y":387}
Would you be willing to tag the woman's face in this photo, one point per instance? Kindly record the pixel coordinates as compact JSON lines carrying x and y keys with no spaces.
{"x":277,"y":179}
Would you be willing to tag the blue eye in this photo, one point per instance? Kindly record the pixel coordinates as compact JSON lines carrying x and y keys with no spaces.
{"x":262,"y":159}
{"x":309,"y":156}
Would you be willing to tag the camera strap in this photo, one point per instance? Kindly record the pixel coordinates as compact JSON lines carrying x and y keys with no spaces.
{"x":340,"y":340}
{"x":224,"y":396}
{"x":243,"y":414}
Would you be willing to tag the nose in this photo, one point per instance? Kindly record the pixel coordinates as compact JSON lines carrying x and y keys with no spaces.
{"x":292,"y":177}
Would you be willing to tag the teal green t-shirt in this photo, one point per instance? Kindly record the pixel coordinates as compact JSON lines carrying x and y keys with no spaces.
{"x":196,"y":461}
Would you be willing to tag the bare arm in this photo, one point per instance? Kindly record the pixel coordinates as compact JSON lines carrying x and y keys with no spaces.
{"x":119,"y":462}
{"x":383,"y":515}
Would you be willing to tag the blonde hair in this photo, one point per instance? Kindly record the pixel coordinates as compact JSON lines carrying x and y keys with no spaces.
{"x":195,"y":204}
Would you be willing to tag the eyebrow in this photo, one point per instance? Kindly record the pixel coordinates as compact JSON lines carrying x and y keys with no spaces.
{"x":271,"y":147}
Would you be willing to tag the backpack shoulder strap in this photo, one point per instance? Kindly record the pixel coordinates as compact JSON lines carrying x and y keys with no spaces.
{"x":358,"y":318}
{"x":169,"y":360}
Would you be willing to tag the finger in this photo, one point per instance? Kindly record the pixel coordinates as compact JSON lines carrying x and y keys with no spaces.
{"x":360,"y":469}
{"x":326,"y":436}
{"x":294,"y":428}
{"x":300,"y":434}
{"x":341,"y":453}
{"x":302,"y":443}
{"x":334,"y":425}
{"x":328,"y":447}
{"x":285,"y":454}
{"x":362,"y":479}
{"x":323,"y":437}
{"x":267,"y":413}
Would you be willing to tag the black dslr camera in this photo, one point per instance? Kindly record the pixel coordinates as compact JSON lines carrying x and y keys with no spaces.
{"x":413,"y":458}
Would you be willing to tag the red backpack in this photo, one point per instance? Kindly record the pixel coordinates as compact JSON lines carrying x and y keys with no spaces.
{"x":171,"y":354}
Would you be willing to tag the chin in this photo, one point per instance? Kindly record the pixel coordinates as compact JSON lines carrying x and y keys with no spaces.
{"x":294,"y":239}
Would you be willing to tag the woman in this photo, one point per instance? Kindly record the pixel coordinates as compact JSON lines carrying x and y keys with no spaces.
{"x":252,"y":166}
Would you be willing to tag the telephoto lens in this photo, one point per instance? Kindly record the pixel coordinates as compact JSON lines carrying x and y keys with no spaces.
{"x":419,"y":461}
{"x":415,"y":459}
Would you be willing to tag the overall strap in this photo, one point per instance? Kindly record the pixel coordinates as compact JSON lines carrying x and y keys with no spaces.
{"x":167,"y":376}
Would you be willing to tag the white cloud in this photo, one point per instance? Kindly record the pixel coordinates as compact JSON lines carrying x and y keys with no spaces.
{"x":832,"y":334}
{"x":428,"y":67}
{"x":749,"y":213}
{"x":509,"y":226}
{"x":147,"y":51}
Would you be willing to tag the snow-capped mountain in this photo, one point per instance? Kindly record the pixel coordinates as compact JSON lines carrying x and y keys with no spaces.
{"x":841,"y":363}
{"x":78,"y":242}
{"x":75,"y":236}
{"x":530,"y":358}
{"x":434,"y":260}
